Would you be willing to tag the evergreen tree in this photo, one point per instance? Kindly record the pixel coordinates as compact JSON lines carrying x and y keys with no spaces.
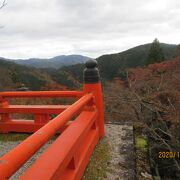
{"x":177,"y":53}
{"x":155,"y":53}
{"x":15,"y":77}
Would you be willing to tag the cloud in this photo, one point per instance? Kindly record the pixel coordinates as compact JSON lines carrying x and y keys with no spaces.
{"x":46,"y":28}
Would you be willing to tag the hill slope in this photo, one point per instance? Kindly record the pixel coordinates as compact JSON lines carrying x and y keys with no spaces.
{"x":112,"y":65}
{"x":14,"y":76}
{"x":150,"y":98}
{"x":133,"y":57}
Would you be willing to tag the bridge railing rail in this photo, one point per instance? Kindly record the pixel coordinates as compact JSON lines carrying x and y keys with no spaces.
{"x":81,"y":125}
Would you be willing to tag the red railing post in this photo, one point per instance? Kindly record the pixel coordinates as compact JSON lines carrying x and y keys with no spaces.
{"x":13,"y":160}
{"x":4,"y":117}
{"x":41,"y":118}
{"x":68,"y":156}
{"x":92,"y":84}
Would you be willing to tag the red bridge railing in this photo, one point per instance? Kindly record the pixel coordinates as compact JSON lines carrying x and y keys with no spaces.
{"x":67,"y":157}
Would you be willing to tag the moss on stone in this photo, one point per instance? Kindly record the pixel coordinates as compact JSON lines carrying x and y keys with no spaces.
{"x":141,"y":143}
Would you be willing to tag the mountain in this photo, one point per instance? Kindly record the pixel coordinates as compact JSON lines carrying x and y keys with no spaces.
{"x":55,"y":62}
{"x":112,"y":65}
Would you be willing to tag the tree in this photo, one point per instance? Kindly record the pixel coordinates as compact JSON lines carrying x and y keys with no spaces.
{"x":177,"y":53}
{"x":3,"y":4}
{"x":15,"y":77}
{"x":156,"y":54}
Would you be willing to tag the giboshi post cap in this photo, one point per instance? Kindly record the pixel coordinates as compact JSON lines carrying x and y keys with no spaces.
{"x":91,"y":64}
{"x":91,"y":72}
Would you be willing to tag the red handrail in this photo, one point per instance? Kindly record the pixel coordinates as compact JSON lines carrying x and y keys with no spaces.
{"x":55,"y":159}
{"x":13,"y":160}
{"x":38,"y":94}
{"x":68,"y":156}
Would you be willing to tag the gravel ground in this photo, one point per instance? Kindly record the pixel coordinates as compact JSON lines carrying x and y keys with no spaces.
{"x":120,"y":138}
{"x":6,"y":146}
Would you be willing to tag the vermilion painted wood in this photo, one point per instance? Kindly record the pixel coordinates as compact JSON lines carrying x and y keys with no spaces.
{"x":85,"y":151}
{"x":4,"y":103}
{"x":13,"y":160}
{"x":24,"y":126}
{"x":68,"y":156}
{"x":63,"y":158}
{"x":34,"y":109}
{"x":97,"y":92}
{"x":41,"y":117}
{"x":38,"y":94}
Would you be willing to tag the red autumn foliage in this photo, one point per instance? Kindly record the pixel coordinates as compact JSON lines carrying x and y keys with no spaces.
{"x":155,"y":73}
{"x":157,"y":84}
{"x":54,"y":86}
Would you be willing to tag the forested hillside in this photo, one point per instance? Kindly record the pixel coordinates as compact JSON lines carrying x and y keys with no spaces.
{"x":150,"y":98}
{"x":113,"y":65}
{"x":15,"y":76}
{"x":135,"y":91}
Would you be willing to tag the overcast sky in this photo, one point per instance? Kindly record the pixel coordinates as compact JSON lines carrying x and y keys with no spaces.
{"x":47,"y":28}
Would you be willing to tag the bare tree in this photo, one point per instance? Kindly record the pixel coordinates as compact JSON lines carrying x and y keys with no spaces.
{"x":3,"y":4}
